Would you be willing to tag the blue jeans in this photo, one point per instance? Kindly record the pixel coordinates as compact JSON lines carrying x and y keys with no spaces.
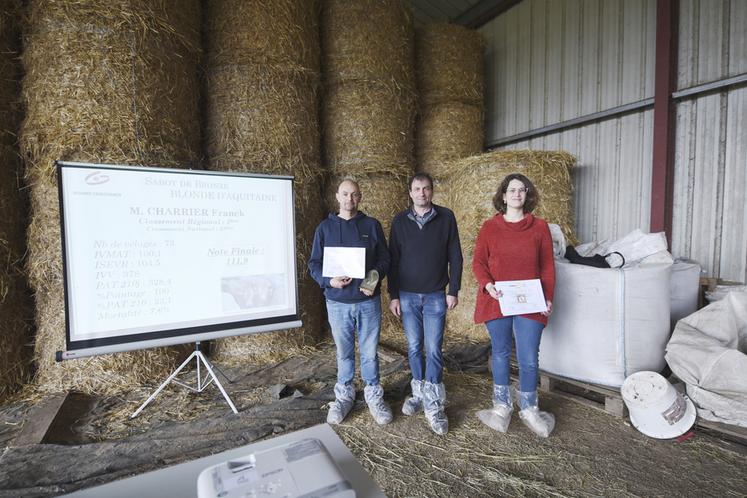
{"x":423,"y":318}
{"x":527,"y":334}
{"x":344,"y":320}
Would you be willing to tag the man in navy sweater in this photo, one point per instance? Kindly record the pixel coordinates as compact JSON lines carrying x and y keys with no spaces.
{"x":426,"y":257}
{"x":350,"y":306}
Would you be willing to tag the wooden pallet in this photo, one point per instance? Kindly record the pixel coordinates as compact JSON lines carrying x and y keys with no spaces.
{"x":602,"y":398}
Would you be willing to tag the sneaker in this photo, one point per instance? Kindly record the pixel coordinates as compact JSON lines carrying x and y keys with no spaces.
{"x":539,"y":422}
{"x":413,"y":404}
{"x":343,"y":403}
{"x":434,"y":405}
{"x":380,"y":411}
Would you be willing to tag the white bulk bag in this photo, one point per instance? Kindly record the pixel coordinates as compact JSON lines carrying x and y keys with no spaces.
{"x":685,"y":285}
{"x":607,"y":323}
{"x":708,"y":351}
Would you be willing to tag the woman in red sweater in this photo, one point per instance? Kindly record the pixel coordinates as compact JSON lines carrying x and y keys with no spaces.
{"x":514,"y":245}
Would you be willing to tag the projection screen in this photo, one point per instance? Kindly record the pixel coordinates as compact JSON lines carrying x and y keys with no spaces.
{"x":156,"y":257}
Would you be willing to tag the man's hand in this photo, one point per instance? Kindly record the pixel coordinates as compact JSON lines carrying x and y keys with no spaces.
{"x":395,"y":308}
{"x":451,"y":301}
{"x":494,"y":293}
{"x":340,"y":282}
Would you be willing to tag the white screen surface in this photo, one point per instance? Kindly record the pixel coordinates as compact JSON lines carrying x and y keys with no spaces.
{"x":151,"y":252}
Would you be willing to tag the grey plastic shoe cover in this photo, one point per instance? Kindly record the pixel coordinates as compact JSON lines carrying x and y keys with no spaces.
{"x":380,"y":411}
{"x":434,"y":404}
{"x":539,"y":422}
{"x":343,"y":403}
{"x":413,"y":404}
{"x":500,"y":416}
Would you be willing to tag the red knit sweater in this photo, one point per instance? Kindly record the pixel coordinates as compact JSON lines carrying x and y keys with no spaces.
{"x":512,"y":251}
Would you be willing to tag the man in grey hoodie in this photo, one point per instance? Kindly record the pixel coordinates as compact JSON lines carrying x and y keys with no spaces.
{"x":351,"y":307}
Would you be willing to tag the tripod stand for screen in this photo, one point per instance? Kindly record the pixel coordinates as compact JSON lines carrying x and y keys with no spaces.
{"x":202,"y":383}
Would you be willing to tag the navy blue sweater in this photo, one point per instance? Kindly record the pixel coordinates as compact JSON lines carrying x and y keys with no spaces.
{"x":359,"y":231}
{"x":425,"y":260}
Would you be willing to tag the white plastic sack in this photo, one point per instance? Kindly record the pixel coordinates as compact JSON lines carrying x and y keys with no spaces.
{"x":708,"y":351}
{"x":607,"y":323}
{"x":685,"y":286}
{"x":636,"y":247}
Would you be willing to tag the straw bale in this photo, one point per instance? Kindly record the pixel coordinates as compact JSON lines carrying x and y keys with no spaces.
{"x":368,"y":129}
{"x":279,"y":35}
{"x":368,"y":40}
{"x":472,"y":184}
{"x":263,"y":120}
{"x":450,"y":64}
{"x":262,"y":116}
{"x":448,"y":131}
{"x":15,"y":298}
{"x":10,"y":18}
{"x":112,"y":82}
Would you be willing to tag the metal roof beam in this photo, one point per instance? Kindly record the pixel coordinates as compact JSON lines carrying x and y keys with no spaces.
{"x":483,"y":12}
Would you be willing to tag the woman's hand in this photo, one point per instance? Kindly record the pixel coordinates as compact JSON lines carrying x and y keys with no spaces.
{"x":494,"y":293}
{"x":549,"y":308}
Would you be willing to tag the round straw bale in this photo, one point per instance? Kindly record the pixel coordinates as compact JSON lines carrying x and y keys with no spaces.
{"x":368,"y":40}
{"x":262,"y":117}
{"x":15,"y":299}
{"x":448,"y":131}
{"x":111,"y":82}
{"x":279,"y":35}
{"x":10,"y":18}
{"x":263,"y":120}
{"x":368,"y":128}
{"x":472,"y":183}
{"x":450,"y":64}
{"x":16,"y":303}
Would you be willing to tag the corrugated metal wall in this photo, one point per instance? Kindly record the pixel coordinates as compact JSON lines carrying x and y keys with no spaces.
{"x":554,"y":60}
{"x":710,"y":200}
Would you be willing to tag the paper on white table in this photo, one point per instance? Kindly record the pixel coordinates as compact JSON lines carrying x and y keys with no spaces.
{"x":521,"y":297}
{"x":344,"y":262}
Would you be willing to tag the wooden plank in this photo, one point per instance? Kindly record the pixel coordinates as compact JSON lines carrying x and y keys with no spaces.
{"x":725,"y":431}
{"x":39,"y":421}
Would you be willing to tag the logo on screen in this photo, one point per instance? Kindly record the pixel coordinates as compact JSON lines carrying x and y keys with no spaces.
{"x":97,"y":178}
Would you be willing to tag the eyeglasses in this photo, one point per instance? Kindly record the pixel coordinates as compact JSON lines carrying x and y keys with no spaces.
{"x":514,"y":191}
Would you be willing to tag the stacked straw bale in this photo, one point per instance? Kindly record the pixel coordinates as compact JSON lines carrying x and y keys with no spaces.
{"x":368,"y":112}
{"x":450,"y":73}
{"x":15,"y":300}
{"x":473,"y":182}
{"x":110,"y":81}
{"x":262,"y":80}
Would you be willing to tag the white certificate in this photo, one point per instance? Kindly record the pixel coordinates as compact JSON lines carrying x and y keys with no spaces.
{"x":344,"y":262}
{"x":521,"y":297}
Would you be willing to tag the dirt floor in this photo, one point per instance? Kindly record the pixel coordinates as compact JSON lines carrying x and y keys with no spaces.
{"x":590,"y":452}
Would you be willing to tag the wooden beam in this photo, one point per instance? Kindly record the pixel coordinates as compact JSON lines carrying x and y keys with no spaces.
{"x":665,"y":83}
{"x":40,"y":419}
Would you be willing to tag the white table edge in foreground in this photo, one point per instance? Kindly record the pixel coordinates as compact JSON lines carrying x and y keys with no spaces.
{"x":181,"y":480}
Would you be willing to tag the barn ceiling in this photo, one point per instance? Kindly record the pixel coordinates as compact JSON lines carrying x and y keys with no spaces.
{"x":471,"y":13}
